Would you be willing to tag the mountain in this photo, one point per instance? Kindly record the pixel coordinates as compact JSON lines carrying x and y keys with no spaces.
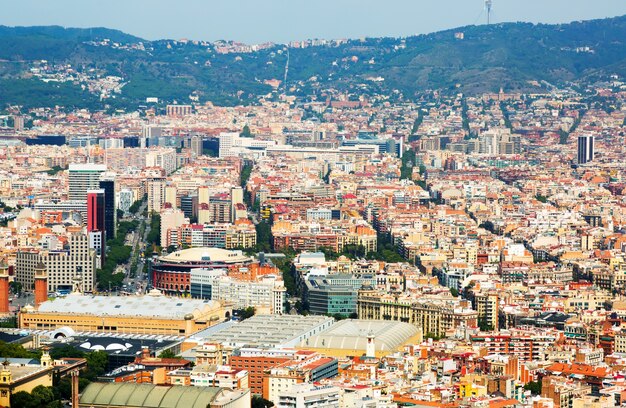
{"x":472,"y":59}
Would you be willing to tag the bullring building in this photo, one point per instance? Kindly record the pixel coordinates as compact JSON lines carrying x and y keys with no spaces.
{"x":171,"y":273}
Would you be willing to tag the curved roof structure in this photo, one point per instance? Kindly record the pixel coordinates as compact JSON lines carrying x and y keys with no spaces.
{"x":149,"y":395}
{"x":352,"y":335}
{"x":205,"y":254}
{"x":154,"y":305}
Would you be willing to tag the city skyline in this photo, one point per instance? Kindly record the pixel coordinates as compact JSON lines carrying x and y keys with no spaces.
{"x":255,"y":22}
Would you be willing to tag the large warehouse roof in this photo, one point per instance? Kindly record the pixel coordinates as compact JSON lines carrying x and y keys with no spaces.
{"x":154,"y":304}
{"x":352,"y":335}
{"x":270,"y":330}
{"x":152,"y":396}
{"x":205,"y":254}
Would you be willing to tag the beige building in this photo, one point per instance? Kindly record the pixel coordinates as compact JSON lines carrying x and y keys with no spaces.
{"x":171,"y":219}
{"x":153,"y":313}
{"x":487,"y":308}
{"x":155,"y":188}
{"x":435,"y":315}
{"x":63,"y":267}
{"x":17,"y":377}
{"x":240,"y":237}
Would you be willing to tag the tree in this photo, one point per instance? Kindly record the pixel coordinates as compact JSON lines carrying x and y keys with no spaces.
{"x":10,"y":350}
{"x":433,"y":336}
{"x":454,"y":292}
{"x":534,"y":387}
{"x":24,"y":400}
{"x":16,"y":287}
{"x":43,"y":394}
{"x":66,"y":351}
{"x":246,"y":313}
{"x":260,"y":402}
{"x":246,"y":132}
{"x":168,"y":354}
{"x":484,"y":325}
{"x":97,"y":362}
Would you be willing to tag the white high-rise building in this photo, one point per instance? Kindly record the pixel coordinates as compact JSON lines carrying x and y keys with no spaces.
{"x":83,"y":177}
{"x":125,"y":199}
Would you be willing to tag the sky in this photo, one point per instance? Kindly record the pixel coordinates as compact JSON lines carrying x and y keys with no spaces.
{"x":257,"y":21}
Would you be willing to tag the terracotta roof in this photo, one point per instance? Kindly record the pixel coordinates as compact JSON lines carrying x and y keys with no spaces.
{"x":580,"y":369}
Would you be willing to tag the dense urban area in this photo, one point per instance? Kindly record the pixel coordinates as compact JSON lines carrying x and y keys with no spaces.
{"x":356,"y":249}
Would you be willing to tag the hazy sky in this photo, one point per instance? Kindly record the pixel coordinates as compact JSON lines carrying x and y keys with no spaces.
{"x":255,"y":21}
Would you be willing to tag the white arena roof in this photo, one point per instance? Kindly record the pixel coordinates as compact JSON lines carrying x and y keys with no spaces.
{"x":205,"y":254}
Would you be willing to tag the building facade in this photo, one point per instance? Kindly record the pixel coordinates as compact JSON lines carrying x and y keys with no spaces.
{"x":63,"y":267}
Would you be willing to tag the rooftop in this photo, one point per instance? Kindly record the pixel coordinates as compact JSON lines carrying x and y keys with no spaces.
{"x":148,"y":395}
{"x":352,"y":334}
{"x":154,"y":305}
{"x":268,"y":330}
{"x":205,"y":254}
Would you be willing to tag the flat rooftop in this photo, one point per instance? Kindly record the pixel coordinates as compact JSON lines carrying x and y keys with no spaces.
{"x":152,"y":305}
{"x":269,"y":330}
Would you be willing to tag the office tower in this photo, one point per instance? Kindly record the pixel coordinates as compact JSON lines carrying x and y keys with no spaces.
{"x":585,"y":148}
{"x":95,"y":210}
{"x":96,"y":224}
{"x":150,"y":136}
{"x":110,"y":213}
{"x":196,"y":145}
{"x":83,"y":177}
{"x":189,"y":205}
{"x":155,"y":187}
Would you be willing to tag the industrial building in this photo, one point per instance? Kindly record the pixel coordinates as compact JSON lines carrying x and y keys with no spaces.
{"x":152,"y":313}
{"x":271,"y":331}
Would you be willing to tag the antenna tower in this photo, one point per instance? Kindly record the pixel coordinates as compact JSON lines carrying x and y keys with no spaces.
{"x":488,"y":4}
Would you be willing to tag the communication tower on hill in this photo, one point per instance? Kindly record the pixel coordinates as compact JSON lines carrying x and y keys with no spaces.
{"x":488,"y":4}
